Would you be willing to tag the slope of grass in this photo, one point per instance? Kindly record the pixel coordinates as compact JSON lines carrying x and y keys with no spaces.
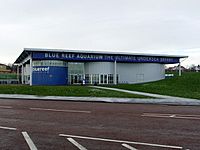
{"x":188,"y":85}
{"x":63,"y":91}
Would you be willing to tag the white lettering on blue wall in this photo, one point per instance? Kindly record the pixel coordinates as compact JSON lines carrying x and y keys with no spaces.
{"x":52,"y":55}
{"x":41,"y":69}
{"x":103,"y":57}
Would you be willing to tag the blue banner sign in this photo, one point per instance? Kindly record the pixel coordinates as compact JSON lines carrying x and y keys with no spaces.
{"x":103,"y":57}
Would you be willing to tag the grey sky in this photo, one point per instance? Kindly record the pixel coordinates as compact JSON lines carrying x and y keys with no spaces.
{"x":144,"y":26}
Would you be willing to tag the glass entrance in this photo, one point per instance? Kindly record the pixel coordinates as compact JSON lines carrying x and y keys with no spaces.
{"x":76,"y":78}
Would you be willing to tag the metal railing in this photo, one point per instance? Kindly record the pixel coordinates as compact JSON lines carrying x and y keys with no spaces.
{"x":9,"y":79}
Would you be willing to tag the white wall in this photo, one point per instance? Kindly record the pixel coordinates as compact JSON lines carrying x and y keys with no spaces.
{"x":128,"y":72}
{"x":99,"y":68}
{"x":140,"y":72}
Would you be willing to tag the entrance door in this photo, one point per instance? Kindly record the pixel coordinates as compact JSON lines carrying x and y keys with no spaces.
{"x":76,"y":79}
{"x":103,"y":79}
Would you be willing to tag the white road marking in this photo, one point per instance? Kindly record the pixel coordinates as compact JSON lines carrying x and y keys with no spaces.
{"x":171,"y":114}
{"x":193,"y":118}
{"x":29,"y":141}
{"x":8,"y":107}
{"x":79,"y":146}
{"x":176,"y":116}
{"x":128,"y":146}
{"x":155,"y":116}
{"x":121,"y":141}
{"x":59,"y":110}
{"x":7,"y":128}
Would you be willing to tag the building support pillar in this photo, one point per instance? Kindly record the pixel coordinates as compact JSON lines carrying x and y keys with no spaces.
{"x":22,"y":73}
{"x":115,"y":72}
{"x":18,"y":73}
{"x":90,"y":78}
{"x":107,"y":79}
{"x":31,"y":71}
{"x":179,"y":69}
{"x":99,"y":78}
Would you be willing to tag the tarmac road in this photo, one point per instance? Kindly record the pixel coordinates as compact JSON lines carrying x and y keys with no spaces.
{"x":59,"y":125}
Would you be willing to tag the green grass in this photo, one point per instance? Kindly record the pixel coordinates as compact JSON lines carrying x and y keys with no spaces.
{"x":84,"y":91}
{"x":188,"y":85}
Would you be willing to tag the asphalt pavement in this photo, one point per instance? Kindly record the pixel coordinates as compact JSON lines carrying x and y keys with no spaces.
{"x":49,"y":125}
{"x":57,"y":122}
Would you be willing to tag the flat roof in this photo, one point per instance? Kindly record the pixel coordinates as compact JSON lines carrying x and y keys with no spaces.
{"x":100,"y":52}
{"x":27,"y":51}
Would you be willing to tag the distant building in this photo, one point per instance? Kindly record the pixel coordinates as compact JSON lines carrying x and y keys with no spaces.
{"x":7,"y":76}
{"x":197,"y":68}
{"x":4,"y":69}
{"x":176,"y":68}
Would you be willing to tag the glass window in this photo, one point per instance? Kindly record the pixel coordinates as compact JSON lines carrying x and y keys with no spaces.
{"x":75,"y":68}
{"x":95,"y":78}
{"x":101,"y":79}
{"x":105,"y":78}
{"x":49,"y":63}
{"x":117,"y":79}
{"x":87,"y":78}
{"x":110,"y":79}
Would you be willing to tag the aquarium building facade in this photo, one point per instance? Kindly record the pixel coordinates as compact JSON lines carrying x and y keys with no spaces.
{"x":39,"y":66}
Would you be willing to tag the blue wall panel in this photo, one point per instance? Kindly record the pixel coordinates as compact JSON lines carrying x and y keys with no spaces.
{"x":49,"y":75}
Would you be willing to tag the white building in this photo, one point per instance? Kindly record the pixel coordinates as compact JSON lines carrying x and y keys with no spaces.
{"x":62,"y":67}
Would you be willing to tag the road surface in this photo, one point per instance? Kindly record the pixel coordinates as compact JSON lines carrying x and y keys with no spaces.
{"x":63,"y":125}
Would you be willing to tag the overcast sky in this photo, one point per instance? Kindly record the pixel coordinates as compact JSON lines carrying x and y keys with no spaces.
{"x":144,"y":26}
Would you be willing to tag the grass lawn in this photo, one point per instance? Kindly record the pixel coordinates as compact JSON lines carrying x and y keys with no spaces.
{"x":188,"y":85}
{"x":84,"y":91}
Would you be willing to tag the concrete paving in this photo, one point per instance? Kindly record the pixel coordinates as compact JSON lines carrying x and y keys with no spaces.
{"x":141,"y":93}
{"x":158,"y":99}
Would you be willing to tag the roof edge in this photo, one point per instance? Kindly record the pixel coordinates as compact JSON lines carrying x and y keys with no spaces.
{"x":101,"y":52}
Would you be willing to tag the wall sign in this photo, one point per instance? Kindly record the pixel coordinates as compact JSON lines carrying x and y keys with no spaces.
{"x":103,"y":57}
{"x":40,"y":69}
